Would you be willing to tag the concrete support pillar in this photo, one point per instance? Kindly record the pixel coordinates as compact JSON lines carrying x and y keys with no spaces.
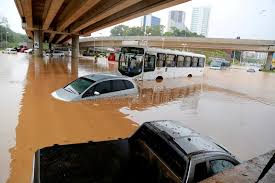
{"x":269,"y":61}
{"x":38,"y":43}
{"x":75,"y":46}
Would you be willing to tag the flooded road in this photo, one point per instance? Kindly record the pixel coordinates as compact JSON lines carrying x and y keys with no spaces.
{"x":234,"y":107}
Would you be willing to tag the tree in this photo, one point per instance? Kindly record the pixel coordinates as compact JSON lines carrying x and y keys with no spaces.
{"x":181,"y":33}
{"x":119,"y":30}
{"x":135,"y":31}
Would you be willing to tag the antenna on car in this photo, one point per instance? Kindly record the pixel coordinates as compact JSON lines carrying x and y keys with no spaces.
{"x":270,"y":163}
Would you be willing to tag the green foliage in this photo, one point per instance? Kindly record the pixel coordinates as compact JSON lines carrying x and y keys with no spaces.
{"x":213,"y":54}
{"x":13,"y":38}
{"x":158,"y":30}
{"x":120,"y":30}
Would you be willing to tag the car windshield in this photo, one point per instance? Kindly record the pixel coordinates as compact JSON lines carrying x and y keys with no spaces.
{"x":80,"y":85}
{"x":216,"y":64}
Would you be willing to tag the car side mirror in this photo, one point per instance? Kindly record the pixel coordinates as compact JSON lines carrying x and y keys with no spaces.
{"x":96,"y":93}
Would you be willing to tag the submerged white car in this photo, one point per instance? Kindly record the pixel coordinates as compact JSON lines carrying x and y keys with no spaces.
{"x":10,"y":51}
{"x":96,"y":86}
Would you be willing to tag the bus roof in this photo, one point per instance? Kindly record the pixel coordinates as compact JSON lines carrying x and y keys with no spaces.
{"x":167,"y":51}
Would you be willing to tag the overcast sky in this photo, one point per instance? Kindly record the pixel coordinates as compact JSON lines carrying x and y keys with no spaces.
{"x":251,"y":19}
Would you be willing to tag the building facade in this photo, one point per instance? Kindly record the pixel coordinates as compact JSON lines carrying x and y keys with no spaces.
{"x":200,"y":20}
{"x":149,"y":20}
{"x":176,"y":19}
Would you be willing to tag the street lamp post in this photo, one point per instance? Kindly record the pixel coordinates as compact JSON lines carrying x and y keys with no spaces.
{"x":7,"y":39}
{"x":234,"y":57}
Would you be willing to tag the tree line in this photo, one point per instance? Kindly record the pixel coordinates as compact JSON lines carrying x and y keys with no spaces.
{"x":158,"y":30}
{"x":8,"y":37}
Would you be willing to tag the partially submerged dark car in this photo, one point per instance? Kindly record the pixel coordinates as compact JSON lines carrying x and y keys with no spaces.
{"x":159,"y":151}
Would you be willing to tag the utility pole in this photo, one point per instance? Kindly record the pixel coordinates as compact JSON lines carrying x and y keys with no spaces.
{"x":234,"y":57}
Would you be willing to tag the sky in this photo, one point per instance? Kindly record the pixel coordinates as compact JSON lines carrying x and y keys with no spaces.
{"x":249,"y":19}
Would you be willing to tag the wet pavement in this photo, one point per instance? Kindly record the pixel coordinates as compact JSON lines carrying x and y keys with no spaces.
{"x":234,"y":107}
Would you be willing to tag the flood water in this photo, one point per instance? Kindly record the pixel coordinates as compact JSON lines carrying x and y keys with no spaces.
{"x":234,"y":107}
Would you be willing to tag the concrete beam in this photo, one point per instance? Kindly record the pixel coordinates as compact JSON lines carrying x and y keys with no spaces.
{"x":19,"y":7}
{"x":74,"y":11}
{"x":53,"y":9}
{"x":27,"y":11}
{"x":61,"y":38}
{"x":95,"y":16}
{"x":142,"y":8}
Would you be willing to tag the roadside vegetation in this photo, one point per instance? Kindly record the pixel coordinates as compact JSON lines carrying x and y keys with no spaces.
{"x":9,"y":38}
{"x":123,"y":30}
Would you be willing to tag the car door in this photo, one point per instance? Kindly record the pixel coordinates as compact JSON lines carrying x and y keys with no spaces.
{"x":119,"y":88}
{"x":198,"y":170}
{"x":103,"y":88}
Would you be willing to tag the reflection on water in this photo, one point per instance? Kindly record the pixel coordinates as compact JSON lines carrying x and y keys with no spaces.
{"x":218,"y":105}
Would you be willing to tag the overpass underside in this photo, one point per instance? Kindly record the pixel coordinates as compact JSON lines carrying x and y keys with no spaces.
{"x":57,"y":21}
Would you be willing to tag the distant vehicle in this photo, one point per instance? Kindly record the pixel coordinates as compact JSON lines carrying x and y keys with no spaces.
{"x":30,"y":51}
{"x":10,"y":51}
{"x":112,"y":57}
{"x":66,"y":50}
{"x":22,"y":50}
{"x":219,"y":64}
{"x":155,"y":63}
{"x":55,"y":53}
{"x":158,"y":152}
{"x":96,"y":86}
{"x":251,"y":70}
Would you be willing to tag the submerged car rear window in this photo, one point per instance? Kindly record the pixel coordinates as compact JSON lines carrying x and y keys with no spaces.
{"x":81,"y":84}
{"x":163,"y":150}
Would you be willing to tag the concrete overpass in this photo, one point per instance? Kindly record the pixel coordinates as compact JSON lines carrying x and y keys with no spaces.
{"x":56,"y":21}
{"x":185,"y":42}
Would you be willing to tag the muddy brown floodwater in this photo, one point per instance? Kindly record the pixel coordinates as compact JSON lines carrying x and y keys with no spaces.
{"x":234,"y":107}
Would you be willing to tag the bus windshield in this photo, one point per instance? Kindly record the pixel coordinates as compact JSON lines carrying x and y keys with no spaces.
{"x":130,"y":64}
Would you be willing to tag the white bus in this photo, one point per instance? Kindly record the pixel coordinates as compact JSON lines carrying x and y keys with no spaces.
{"x":155,"y":63}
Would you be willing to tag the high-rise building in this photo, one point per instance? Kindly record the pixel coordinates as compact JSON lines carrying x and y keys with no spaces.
{"x":176,"y":19}
{"x":149,"y":20}
{"x":200,"y":20}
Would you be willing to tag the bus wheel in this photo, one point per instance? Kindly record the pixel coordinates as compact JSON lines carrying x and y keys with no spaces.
{"x":159,"y":78}
{"x":189,"y":75}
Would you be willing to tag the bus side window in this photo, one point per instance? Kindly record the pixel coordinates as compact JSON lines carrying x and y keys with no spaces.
{"x":201,"y":62}
{"x":161,"y":60}
{"x":170,"y":61}
{"x":195,"y":61}
{"x":180,"y":61}
{"x":187,"y":61}
{"x":149,"y":63}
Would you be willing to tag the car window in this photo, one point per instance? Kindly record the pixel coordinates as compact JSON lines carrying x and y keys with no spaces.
{"x":103,"y":87}
{"x":163,"y":150}
{"x":200,"y":172}
{"x":80,"y":85}
{"x":118,"y":85}
{"x":128,"y":84}
{"x":217,"y":166}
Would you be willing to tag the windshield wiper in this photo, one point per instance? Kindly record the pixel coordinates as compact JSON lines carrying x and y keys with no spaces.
{"x":69,"y":90}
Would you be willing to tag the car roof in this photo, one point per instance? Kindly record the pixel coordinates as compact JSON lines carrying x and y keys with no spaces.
{"x":190,"y":141}
{"x":100,"y":77}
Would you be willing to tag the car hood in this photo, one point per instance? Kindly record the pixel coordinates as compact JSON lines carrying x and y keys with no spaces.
{"x":64,"y":95}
